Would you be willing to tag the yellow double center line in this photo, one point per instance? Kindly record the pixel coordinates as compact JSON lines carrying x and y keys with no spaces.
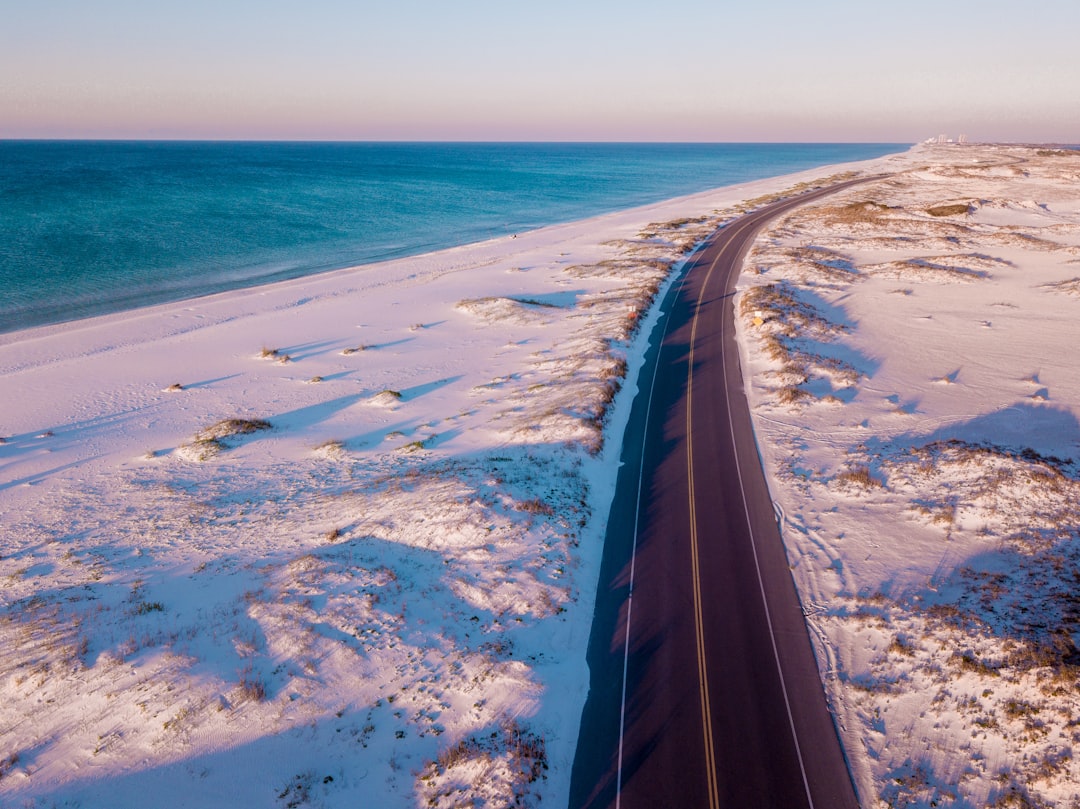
{"x":703,"y":673}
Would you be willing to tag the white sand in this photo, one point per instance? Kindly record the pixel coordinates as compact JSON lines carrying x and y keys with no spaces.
{"x":916,"y":396}
{"x":399,"y":569}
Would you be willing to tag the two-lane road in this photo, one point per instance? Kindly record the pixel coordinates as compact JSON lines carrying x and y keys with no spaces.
{"x":704,"y":687}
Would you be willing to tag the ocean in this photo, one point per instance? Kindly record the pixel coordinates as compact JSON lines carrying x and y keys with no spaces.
{"x":91,"y":227}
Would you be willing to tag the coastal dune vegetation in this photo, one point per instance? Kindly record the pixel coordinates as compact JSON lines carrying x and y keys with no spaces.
{"x":908,"y":345}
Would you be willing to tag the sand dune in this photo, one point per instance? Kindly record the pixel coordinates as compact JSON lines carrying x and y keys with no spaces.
{"x":929,"y":493}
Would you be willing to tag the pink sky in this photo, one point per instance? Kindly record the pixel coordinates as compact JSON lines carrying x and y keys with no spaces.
{"x":480,"y":70}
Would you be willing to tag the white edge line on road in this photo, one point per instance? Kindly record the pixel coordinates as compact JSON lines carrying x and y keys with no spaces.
{"x":637,"y":511}
{"x":753,"y":544}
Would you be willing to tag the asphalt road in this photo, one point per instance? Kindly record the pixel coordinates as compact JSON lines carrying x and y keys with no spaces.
{"x":713,"y":697}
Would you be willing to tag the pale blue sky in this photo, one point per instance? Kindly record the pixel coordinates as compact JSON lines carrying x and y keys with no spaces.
{"x":695,"y":70}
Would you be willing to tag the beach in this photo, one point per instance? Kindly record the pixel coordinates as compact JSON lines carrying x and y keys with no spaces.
{"x":364,"y":506}
{"x":336,"y":540}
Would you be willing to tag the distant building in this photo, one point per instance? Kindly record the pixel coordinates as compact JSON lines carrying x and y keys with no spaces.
{"x":946,"y":139}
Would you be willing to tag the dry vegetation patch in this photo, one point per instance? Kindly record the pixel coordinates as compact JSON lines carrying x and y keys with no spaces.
{"x":1070,"y":286}
{"x":1018,"y":495}
{"x":500,"y":308}
{"x":212,"y":440}
{"x":990,"y":652}
{"x":954,"y":209}
{"x":1058,"y":152}
{"x":859,"y":212}
{"x":937,"y":269}
{"x":493,"y":770}
{"x":796,"y":337}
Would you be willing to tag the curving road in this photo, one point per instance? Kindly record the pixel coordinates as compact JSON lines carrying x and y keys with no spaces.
{"x":704,"y":687}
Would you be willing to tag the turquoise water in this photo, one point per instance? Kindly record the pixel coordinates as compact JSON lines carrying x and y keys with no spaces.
{"x":93,"y":227}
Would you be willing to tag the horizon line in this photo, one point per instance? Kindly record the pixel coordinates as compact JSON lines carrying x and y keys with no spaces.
{"x":465,"y":141}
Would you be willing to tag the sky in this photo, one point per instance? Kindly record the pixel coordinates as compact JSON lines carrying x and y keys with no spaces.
{"x":576,"y":70}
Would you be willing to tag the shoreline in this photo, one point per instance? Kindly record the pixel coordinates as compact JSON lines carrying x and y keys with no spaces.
{"x":580,"y":182}
{"x":423,"y":519}
{"x":478,"y":247}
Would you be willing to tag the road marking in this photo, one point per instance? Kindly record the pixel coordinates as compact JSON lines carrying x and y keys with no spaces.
{"x":757,"y":563}
{"x":637,"y":521}
{"x":703,"y":673}
{"x":714,"y":800}
{"x":748,"y":223}
{"x":703,"y":679}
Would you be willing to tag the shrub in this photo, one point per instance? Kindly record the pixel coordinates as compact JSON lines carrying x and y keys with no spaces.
{"x":6,"y":764}
{"x":536,"y":506}
{"x":332,"y":447}
{"x":958,"y":209}
{"x":791,"y":394}
{"x":211,"y":440}
{"x":864,"y":211}
{"x":968,"y":662}
{"x":859,"y":476}
{"x":227,"y":428}
{"x":252,"y":686}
